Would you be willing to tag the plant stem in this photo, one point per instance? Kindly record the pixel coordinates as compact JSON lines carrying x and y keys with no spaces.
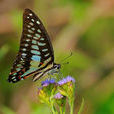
{"x":64,"y":109}
{"x":81,"y":107}
{"x":71,"y":103}
{"x":52,"y":109}
{"x":61,"y":110}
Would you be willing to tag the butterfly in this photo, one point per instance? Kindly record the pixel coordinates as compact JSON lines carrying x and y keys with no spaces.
{"x":36,"y":56}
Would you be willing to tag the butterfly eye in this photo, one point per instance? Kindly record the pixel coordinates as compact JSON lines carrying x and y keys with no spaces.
{"x":57,"y":66}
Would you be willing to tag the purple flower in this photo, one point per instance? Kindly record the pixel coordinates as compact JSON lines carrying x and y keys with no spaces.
{"x":52,"y":80}
{"x":58,"y":96}
{"x":47,"y":82}
{"x":65,"y":80}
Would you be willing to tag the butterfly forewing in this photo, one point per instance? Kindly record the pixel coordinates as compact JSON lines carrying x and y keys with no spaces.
{"x":35,"y":52}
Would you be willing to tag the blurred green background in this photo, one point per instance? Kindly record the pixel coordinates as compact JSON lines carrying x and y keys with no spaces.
{"x":85,"y":27}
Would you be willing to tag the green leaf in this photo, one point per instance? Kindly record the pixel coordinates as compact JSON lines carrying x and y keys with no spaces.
{"x":81,"y":107}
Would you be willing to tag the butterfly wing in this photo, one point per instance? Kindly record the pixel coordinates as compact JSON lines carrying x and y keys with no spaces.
{"x":35,"y":52}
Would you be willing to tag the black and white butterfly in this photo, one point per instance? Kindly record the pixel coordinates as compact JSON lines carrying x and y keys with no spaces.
{"x":35,"y":56}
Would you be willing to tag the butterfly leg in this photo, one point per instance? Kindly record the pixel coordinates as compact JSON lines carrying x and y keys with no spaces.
{"x":60,"y":74}
{"x":49,"y":75}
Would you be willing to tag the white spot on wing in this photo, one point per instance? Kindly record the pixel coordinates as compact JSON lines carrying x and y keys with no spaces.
{"x":35,"y":47}
{"x":34,"y":41}
{"x":37,"y":35}
{"x":28,"y":40}
{"x":38,"y":22}
{"x":46,"y":55}
{"x":24,"y":49}
{"x":30,"y":14}
{"x":41,"y":44}
{"x":31,"y":23}
{"x":30,"y":31}
{"x":26,"y":45}
{"x":33,"y":28}
{"x":44,"y":50}
{"x":36,"y":38}
{"x":39,"y":30}
{"x":29,"y":35}
{"x":24,"y":54}
{"x":15,"y":80}
{"x":42,"y":39}
{"x":35,"y":52}
{"x":32,"y":20}
{"x":22,"y":78}
{"x":13,"y":77}
{"x":28,"y":26}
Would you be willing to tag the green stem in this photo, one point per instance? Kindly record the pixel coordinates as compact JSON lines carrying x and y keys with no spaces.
{"x":71,"y":103}
{"x":64,"y":109}
{"x":81,"y":107}
{"x":52,"y":108}
{"x":61,"y":110}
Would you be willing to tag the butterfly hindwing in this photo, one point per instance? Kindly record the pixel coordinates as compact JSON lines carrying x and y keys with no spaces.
{"x":35,"y":52}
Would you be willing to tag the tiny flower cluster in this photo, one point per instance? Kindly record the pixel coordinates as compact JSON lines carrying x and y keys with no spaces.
{"x":47,"y":82}
{"x":66,"y":80}
{"x":55,"y":93}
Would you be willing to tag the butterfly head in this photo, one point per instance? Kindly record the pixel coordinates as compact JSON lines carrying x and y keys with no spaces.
{"x":56,"y":68}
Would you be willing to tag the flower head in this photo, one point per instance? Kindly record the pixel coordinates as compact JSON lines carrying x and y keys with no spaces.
{"x":67,"y":86}
{"x":60,"y":100}
{"x":47,"y":82}
{"x":66,"y":80}
{"x":47,"y":90}
{"x":55,"y":93}
{"x":58,"y":96}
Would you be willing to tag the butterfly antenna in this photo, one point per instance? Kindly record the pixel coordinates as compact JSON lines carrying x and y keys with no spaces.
{"x":67,"y":58}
